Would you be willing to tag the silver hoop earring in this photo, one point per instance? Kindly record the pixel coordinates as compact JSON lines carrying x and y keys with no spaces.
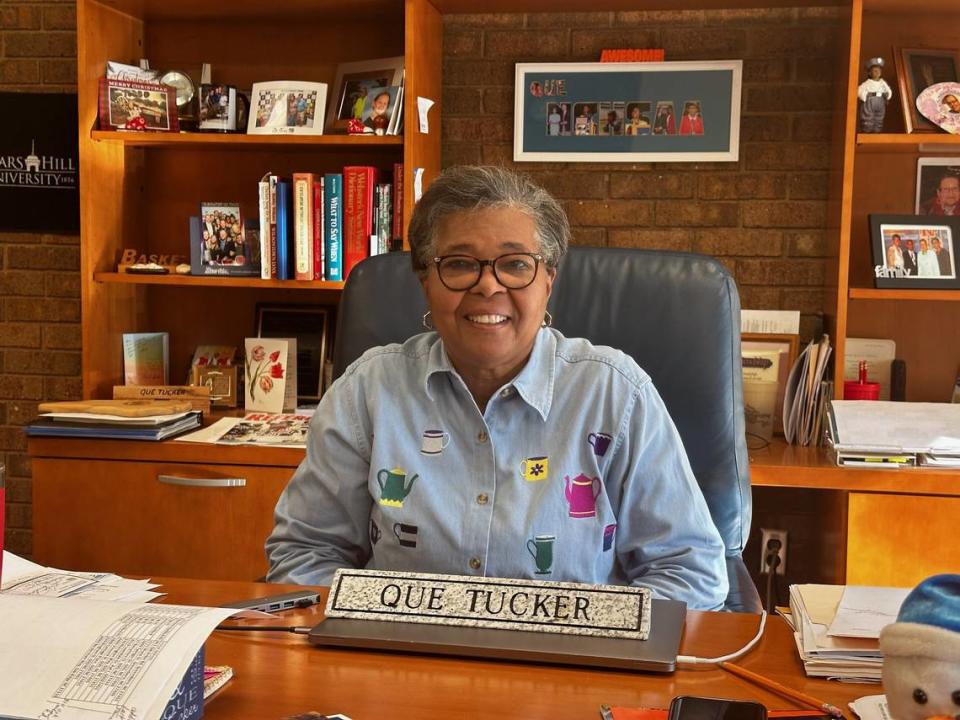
{"x":427,"y":320}
{"x":547,"y":320}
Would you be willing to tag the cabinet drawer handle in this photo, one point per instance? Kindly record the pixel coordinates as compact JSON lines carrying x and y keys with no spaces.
{"x":202,"y":482}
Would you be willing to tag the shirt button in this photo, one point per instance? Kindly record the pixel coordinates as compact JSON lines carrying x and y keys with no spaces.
{"x":475,"y":563}
{"x":482,"y":499}
{"x":481,"y":436}
{"x":506,"y":392}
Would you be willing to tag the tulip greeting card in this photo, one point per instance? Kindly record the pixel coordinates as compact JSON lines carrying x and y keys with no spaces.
{"x":270,"y":374}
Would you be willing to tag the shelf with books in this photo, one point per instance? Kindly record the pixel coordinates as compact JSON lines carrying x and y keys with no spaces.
{"x":339,"y":142}
{"x":214,"y":281}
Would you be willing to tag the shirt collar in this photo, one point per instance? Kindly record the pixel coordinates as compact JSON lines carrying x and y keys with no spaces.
{"x":534,"y":383}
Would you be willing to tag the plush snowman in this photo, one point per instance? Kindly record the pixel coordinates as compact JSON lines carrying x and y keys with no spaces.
{"x":921,"y":653}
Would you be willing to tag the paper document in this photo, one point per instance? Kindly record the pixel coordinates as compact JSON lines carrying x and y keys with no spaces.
{"x":22,"y":577}
{"x":871,"y":707}
{"x":778,"y":322}
{"x":279,"y":430}
{"x":895,"y":427}
{"x":90,"y":660}
{"x":865,"y":611}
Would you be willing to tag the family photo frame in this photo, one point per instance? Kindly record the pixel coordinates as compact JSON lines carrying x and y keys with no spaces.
{"x":287,"y":108}
{"x":627,"y":112}
{"x":914,"y":251}
{"x":310,"y":325}
{"x":917,"y":70}
{"x":354,"y":83}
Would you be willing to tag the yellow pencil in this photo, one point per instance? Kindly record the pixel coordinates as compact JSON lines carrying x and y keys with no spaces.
{"x":772,"y":685}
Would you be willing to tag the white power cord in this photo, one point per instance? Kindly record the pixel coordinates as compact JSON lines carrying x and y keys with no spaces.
{"x":692,"y":660}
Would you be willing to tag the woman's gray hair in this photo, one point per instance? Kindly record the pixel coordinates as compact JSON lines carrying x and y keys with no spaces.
{"x":476,"y":187}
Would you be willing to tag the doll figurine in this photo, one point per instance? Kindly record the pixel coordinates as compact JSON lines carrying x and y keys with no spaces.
{"x":921,"y":652}
{"x":873,"y":93}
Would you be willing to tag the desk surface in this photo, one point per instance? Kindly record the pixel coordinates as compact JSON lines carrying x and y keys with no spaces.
{"x":279,"y":675}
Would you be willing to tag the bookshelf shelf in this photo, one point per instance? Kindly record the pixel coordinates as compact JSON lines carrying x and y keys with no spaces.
{"x":218,"y":281}
{"x":908,"y":143}
{"x":904,"y":294}
{"x":185,"y":140}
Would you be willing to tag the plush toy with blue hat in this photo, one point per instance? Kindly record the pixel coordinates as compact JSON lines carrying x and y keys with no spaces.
{"x":921,"y":653}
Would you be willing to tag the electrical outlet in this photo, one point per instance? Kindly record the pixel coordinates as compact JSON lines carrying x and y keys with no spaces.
{"x":765,"y":537}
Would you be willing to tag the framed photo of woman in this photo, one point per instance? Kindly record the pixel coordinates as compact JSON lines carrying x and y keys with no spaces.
{"x":918,"y":69}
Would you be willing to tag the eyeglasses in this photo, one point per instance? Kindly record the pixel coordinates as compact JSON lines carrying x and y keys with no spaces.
{"x":513,"y":270}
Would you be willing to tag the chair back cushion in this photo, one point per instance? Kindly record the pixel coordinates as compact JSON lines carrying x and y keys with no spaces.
{"x":676,"y":314}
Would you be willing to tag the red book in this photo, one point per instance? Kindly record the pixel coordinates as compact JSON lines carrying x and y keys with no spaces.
{"x":359,"y":182}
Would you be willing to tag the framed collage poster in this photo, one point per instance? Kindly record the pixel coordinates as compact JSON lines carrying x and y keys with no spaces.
{"x":627,"y":112}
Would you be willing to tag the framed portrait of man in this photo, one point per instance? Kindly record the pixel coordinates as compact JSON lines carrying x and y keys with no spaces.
{"x":938,"y":186}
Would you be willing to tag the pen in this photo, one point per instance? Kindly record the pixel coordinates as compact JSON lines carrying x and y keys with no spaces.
{"x":831,"y":710}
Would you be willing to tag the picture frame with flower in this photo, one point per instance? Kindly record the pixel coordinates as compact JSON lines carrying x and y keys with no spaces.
{"x":270,"y":375}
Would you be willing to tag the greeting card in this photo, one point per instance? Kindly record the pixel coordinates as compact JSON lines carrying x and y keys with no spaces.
{"x":271,"y":374}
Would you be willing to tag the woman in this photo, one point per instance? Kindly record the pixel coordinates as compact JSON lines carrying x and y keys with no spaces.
{"x":692,"y":122}
{"x":493,"y":445}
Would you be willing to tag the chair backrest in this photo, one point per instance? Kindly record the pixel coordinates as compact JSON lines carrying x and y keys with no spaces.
{"x":676,"y":314}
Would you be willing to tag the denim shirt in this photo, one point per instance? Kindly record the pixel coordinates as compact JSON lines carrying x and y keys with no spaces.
{"x":574,"y":472}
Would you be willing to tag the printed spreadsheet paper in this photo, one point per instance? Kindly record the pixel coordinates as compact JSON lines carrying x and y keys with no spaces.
{"x":60,"y":655}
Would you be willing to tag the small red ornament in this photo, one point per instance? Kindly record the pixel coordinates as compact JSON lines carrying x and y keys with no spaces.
{"x":355,"y":127}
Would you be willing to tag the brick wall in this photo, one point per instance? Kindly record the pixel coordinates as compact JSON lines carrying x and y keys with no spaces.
{"x":39,"y":274}
{"x":763,"y":216}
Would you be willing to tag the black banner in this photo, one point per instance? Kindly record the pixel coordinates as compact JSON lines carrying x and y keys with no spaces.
{"x":39,"y":163}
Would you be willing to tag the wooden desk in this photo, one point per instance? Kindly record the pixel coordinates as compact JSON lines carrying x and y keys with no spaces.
{"x":276,"y":676}
{"x":887,"y":515}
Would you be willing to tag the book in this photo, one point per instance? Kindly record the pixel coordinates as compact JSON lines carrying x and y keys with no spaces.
{"x":146,"y":358}
{"x":274,"y":267}
{"x":46,"y":427}
{"x":263,"y":196}
{"x":303,"y":225}
{"x":333,"y":225}
{"x":397,"y":233}
{"x":186,"y":702}
{"x":318,"y":205}
{"x":214,"y":678}
{"x":358,"y":190}
{"x":284,"y":231}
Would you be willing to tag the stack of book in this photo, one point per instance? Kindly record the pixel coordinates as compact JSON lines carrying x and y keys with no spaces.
{"x":837,"y":628}
{"x":115,"y":419}
{"x":317,"y":226}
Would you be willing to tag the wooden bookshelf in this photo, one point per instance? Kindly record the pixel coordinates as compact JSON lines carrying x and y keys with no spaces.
{"x":226,"y":140}
{"x":214,"y":281}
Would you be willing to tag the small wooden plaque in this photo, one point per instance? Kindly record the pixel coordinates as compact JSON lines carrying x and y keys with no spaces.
{"x":197,"y":397}
{"x":220,"y":381}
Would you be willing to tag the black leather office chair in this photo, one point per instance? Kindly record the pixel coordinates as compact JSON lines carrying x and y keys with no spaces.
{"x":677,"y":314}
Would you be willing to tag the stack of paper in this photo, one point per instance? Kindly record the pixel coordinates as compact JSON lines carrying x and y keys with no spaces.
{"x":68,"y":653}
{"x":807,"y":391}
{"x":837,"y":628}
{"x":895,"y":432}
{"x":22,"y":577}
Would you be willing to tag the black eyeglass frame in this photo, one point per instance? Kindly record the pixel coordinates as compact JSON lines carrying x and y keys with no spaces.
{"x":536,"y":257}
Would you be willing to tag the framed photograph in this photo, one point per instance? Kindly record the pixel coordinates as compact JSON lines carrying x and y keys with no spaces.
{"x":918,"y":69}
{"x":379,"y":108}
{"x":787,"y":348}
{"x":310,"y":325}
{"x":134,"y":105}
{"x":287,"y":108}
{"x":914,"y":251}
{"x":627,"y":112}
{"x":938,"y":186}
{"x":218,"y":108}
{"x":355,"y":81}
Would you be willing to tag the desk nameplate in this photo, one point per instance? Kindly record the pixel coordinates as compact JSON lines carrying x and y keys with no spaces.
{"x":499,"y":603}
